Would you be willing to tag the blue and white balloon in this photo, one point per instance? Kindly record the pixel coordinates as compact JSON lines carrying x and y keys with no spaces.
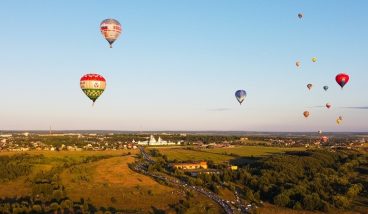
{"x":240,"y":95}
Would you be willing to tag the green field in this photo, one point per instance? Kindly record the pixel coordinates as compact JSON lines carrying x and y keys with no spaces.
{"x":255,"y":151}
{"x":192,"y":155}
{"x":219,"y":155}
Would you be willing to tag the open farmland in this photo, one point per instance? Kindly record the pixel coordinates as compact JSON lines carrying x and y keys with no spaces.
{"x":219,"y":155}
{"x":192,"y":155}
{"x":255,"y":151}
{"x":72,"y":154}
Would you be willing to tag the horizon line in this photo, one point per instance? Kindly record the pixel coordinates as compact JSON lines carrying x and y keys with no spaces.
{"x":172,"y":131}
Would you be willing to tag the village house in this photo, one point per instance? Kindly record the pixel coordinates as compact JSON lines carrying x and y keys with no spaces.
{"x":200,"y":165}
{"x":233,"y":167}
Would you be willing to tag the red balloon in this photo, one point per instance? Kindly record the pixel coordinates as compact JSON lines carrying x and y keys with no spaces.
{"x":328,"y":105}
{"x":324,"y":139}
{"x":342,"y":79}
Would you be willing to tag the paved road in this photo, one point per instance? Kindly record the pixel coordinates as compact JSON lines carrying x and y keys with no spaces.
{"x":142,"y":167}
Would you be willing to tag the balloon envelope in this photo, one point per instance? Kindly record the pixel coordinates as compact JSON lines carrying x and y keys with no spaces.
{"x":306,"y":114}
{"x":314,"y":59}
{"x":325,"y":87}
{"x":342,"y":79}
{"x":111,"y":30}
{"x":240,"y":95}
{"x":300,"y":15}
{"x":328,"y":105}
{"x":309,"y":86}
{"x":93,"y":85}
{"x":324,"y":139}
{"x":298,"y":64}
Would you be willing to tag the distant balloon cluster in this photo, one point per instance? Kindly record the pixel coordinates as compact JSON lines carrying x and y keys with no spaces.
{"x":342,"y":79}
{"x":93,"y":85}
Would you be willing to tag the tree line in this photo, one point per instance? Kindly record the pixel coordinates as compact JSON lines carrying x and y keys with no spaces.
{"x":311,"y":180}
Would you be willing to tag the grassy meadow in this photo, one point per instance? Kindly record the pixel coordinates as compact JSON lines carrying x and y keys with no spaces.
{"x":110,"y":182}
{"x":104,"y":182}
{"x":219,"y":155}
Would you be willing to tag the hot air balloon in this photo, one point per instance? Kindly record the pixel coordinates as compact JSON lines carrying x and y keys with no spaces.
{"x":319,"y":131}
{"x":110,"y":29}
{"x":309,"y":86}
{"x":240,"y":95}
{"x":324,"y":139}
{"x":314,"y":59}
{"x":328,"y":105}
{"x":325,"y":87}
{"x":93,"y":85}
{"x":298,"y":64}
{"x":338,"y":121}
{"x":300,"y":15}
{"x":342,"y":79}
{"x":306,"y":114}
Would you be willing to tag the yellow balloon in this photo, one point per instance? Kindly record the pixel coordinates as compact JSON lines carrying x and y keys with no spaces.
{"x":338,"y":121}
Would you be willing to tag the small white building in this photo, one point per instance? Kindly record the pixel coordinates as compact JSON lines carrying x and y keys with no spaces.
{"x":152,"y":142}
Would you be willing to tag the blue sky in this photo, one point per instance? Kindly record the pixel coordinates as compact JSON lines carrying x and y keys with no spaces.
{"x":178,"y":63}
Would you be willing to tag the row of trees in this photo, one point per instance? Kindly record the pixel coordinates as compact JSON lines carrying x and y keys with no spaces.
{"x":11,"y":167}
{"x":312,"y":180}
{"x":33,"y":205}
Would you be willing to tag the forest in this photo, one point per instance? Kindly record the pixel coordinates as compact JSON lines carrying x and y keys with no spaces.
{"x":311,"y":180}
{"x":303,"y":180}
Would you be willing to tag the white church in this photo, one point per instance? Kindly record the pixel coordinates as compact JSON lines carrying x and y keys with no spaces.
{"x":152,"y":142}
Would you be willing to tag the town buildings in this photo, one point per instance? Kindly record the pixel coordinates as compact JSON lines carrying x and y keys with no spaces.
{"x":200,"y":165}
